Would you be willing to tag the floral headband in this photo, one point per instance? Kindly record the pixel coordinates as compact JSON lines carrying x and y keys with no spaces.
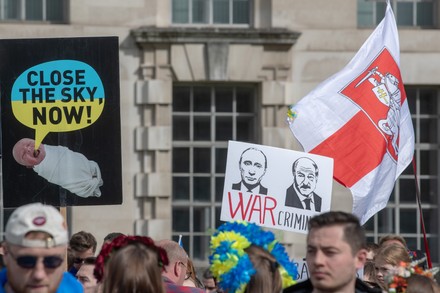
{"x":121,"y":241}
{"x":230,"y":264}
{"x":397,"y":281}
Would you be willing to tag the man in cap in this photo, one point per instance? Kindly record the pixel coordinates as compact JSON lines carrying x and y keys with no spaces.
{"x":35,"y":250}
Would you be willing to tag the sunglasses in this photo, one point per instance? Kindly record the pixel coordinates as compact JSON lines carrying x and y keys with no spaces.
{"x":30,"y":261}
{"x":88,"y":260}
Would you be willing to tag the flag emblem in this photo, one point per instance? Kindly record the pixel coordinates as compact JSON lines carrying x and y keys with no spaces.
{"x":360,"y":118}
{"x":379,"y":93}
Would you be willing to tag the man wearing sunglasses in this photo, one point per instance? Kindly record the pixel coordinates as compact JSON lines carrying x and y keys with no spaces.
{"x":81,"y":246}
{"x":85,"y":275}
{"x":35,"y":249}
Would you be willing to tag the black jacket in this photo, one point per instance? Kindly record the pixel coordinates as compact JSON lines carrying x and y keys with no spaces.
{"x":306,"y":287}
{"x":293,"y":199}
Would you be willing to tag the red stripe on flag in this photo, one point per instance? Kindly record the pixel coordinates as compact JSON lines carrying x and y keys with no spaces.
{"x":357,"y":148}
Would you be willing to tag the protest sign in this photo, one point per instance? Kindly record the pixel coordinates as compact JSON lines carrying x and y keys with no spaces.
{"x":304,"y":273}
{"x":274,"y":187}
{"x":60,"y":121}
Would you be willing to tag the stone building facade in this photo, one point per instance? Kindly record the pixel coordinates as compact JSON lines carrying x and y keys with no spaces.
{"x":284,"y":50}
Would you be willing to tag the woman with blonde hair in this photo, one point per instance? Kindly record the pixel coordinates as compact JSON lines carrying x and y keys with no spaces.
{"x":387,"y":260}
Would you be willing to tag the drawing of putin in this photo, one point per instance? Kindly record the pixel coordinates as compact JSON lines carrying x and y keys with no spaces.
{"x":253,"y":165}
{"x":301,"y":193}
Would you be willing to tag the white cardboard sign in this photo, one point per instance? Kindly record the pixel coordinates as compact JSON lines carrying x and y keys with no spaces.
{"x":303,"y":270}
{"x":273,"y":187}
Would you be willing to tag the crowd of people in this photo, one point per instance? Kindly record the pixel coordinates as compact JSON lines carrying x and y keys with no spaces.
{"x":392,"y":267}
{"x":40,"y":257}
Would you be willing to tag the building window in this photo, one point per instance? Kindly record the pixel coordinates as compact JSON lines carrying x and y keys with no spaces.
{"x":204,"y":119}
{"x":402,"y":216}
{"x":408,"y":13}
{"x":54,"y":11}
{"x":217,"y":12}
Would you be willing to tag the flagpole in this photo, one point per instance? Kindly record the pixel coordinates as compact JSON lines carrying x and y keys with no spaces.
{"x":419,"y":202}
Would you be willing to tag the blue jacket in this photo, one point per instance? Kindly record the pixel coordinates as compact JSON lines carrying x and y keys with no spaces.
{"x":68,"y":284}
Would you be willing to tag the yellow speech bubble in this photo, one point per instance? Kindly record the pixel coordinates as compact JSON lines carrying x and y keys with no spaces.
{"x":57,"y":96}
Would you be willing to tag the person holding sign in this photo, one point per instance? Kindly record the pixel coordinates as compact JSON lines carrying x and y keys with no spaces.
{"x":301,"y":193}
{"x":61,"y":166}
{"x":253,"y":165}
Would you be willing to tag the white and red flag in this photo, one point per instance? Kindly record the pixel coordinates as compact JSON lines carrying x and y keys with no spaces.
{"x":360,"y":118}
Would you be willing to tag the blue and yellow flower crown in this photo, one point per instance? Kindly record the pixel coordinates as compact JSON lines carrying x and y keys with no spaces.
{"x":231,"y":265}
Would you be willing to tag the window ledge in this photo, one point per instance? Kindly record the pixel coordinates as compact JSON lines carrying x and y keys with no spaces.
{"x":274,"y":36}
